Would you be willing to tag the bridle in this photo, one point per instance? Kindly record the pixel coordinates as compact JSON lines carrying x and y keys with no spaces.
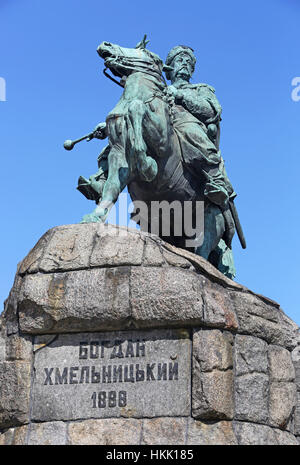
{"x":136,"y":65}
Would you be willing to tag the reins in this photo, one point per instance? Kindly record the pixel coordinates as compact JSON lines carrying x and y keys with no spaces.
{"x":112,"y":79}
{"x":142,"y":66}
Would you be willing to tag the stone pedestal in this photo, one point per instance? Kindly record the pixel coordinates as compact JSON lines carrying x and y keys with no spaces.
{"x":111,"y":336}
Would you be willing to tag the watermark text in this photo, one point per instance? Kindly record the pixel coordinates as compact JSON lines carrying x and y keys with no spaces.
{"x":2,"y":89}
{"x":296,"y":91}
{"x":162,"y":218}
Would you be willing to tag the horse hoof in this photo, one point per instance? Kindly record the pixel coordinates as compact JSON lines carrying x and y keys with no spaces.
{"x":90,"y":218}
{"x":149,"y":172}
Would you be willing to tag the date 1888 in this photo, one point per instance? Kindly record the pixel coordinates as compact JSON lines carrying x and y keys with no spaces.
{"x":109,"y":399}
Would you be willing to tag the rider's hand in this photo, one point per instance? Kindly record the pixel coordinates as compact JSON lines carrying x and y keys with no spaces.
{"x":172,"y":90}
{"x":177,"y":94}
{"x":100,"y":131}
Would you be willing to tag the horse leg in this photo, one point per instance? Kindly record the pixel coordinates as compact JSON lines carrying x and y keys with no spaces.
{"x":118,"y":178}
{"x":214,"y":249}
{"x":156,"y":128}
{"x":214,"y":228}
{"x":146,"y":166}
{"x":222,"y":258}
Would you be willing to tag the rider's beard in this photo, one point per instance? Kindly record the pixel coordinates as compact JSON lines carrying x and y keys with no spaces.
{"x":183,"y":73}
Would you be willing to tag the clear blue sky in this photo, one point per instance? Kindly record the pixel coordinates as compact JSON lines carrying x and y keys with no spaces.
{"x":55,"y":90}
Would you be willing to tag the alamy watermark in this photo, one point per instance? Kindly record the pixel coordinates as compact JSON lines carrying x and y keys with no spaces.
{"x":296,"y":91}
{"x":2,"y":89}
{"x":176,"y":219}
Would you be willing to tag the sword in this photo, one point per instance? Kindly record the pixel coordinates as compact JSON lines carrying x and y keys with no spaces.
{"x":237,"y":223}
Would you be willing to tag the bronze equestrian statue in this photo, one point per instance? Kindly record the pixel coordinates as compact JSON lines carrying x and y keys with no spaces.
{"x":164,"y":146}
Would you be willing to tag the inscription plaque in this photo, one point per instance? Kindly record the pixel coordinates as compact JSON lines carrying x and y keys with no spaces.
{"x":113,"y":374}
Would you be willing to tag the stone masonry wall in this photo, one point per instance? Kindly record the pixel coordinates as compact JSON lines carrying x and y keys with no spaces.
{"x":90,"y":279}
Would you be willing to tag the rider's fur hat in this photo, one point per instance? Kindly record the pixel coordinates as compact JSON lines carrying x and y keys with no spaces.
{"x":175,"y":51}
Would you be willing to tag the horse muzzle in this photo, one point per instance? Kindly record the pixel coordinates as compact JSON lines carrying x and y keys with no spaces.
{"x":104,"y":50}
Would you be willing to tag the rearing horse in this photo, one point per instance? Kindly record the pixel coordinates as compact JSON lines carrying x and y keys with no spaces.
{"x":145,"y":153}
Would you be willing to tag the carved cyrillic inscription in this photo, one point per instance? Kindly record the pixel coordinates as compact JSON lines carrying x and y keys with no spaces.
{"x":130,"y":373}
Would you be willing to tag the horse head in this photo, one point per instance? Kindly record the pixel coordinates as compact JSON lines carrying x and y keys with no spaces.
{"x":124,"y":61}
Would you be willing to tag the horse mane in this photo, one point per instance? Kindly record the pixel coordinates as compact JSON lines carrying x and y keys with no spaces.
{"x":157,"y":60}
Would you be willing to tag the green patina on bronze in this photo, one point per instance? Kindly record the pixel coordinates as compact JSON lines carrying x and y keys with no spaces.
{"x":164,"y":146}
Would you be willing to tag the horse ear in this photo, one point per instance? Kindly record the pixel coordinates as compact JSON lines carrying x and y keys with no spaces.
{"x":143,"y":43}
{"x":167,"y":70}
